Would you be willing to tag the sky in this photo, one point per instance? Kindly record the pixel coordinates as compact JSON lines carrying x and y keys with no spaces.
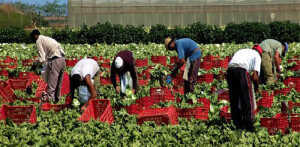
{"x":40,"y":2}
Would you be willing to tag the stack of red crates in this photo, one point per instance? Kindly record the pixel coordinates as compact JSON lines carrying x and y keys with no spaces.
{"x":220,"y":63}
{"x":159,"y":59}
{"x":295,"y":120}
{"x":98,"y":109}
{"x":206,"y":65}
{"x":8,"y":62}
{"x":293,"y":82}
{"x":159,"y":116}
{"x":173,"y":59}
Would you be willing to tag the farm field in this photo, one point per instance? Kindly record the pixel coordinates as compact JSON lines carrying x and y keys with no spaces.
{"x":199,"y":119}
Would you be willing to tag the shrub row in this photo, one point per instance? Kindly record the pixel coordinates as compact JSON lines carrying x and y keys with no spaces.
{"x":201,"y":33}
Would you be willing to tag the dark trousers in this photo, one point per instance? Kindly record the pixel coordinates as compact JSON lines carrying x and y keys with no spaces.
{"x":192,"y":76}
{"x":240,"y":91}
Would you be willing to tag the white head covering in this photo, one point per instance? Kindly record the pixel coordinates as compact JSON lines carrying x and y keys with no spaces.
{"x":118,"y":62}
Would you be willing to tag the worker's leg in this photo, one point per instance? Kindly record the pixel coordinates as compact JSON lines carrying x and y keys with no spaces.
{"x":136,"y":74}
{"x":247,"y":101}
{"x":266,"y":65}
{"x":52,"y":79}
{"x":61,"y":64}
{"x":193,"y":74}
{"x":234,"y":97}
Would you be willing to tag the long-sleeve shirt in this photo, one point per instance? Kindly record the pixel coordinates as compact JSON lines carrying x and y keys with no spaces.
{"x":270,"y":46}
{"x":128,"y":65}
{"x":47,"y":48}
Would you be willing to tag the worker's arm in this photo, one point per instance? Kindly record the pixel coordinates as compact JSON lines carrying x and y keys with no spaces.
{"x":134,"y":76}
{"x":113,"y":77}
{"x":255,"y":79}
{"x":177,"y":66}
{"x":91,"y":89}
{"x":277,"y":61}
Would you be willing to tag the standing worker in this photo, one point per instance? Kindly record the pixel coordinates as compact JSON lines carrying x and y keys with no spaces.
{"x":51,"y":56}
{"x":273,"y":51}
{"x":242,"y":101}
{"x":189,"y":53}
{"x":125,"y":66}
{"x":81,"y":76}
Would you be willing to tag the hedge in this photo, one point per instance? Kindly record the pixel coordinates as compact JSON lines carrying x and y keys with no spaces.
{"x":201,"y":33}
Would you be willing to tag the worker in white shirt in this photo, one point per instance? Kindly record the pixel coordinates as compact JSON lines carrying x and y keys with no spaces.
{"x":81,"y":77}
{"x":242,"y":101}
{"x":51,"y":56}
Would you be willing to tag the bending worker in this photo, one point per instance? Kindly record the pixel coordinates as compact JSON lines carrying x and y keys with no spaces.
{"x":81,"y":77}
{"x":242,"y":101}
{"x":188,"y":52}
{"x":273,"y":51}
{"x":51,"y":56}
{"x":125,"y":66}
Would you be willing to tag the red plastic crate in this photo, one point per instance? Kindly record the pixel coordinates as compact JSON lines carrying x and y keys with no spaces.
{"x":223,"y":95}
{"x":159,"y":59}
{"x":201,"y":113}
{"x":207,"y":65}
{"x":295,"y":124}
{"x":210,"y":58}
{"x":162,"y":98}
{"x":295,"y":67}
{"x":207,"y":78}
{"x":4,"y":72}
{"x":291,"y":105}
{"x":142,"y":62}
{"x":224,"y":113}
{"x":29,"y":75}
{"x":133,"y":109}
{"x":65,"y":89}
{"x":48,"y":106}
{"x":27,"y":62}
{"x":9,"y":62}
{"x":173,"y":59}
{"x":19,"y":84}
{"x":279,"y":122}
{"x":161,"y":91}
{"x":6,"y":93}
{"x":145,"y":102}
{"x":283,"y":91}
{"x":187,"y":113}
{"x":71,"y":62}
{"x":98,"y":109}
{"x":220,"y":63}
{"x":159,"y":116}
{"x":143,"y":82}
{"x":178,"y":81}
{"x":18,"y":114}
{"x":42,"y":87}
{"x":179,"y":90}
{"x":145,"y":73}
{"x":266,"y":100}
{"x":105,"y":81}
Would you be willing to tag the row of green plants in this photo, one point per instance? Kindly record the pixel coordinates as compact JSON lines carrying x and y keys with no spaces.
{"x":201,"y":33}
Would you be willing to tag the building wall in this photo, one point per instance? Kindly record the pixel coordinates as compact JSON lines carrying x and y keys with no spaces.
{"x":181,"y":12}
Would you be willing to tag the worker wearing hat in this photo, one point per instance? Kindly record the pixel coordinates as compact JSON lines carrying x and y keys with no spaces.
{"x":242,"y":101}
{"x":189,"y":53}
{"x":273,"y":51}
{"x":125,"y":66}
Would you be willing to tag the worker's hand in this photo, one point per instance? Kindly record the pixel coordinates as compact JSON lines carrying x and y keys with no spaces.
{"x":118,"y":89}
{"x":83,"y":107}
{"x":173,"y":74}
{"x":33,"y":67}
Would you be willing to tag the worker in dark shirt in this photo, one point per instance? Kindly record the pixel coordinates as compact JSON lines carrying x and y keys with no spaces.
{"x":125,"y":66}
